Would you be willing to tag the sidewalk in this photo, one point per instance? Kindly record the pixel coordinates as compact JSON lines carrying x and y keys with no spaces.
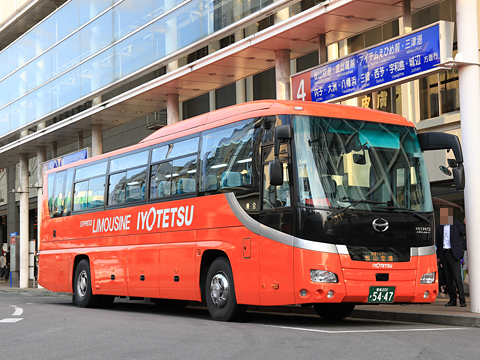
{"x":435,"y":313}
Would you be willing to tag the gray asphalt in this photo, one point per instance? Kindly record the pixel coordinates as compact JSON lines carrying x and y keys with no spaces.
{"x":53,"y":328}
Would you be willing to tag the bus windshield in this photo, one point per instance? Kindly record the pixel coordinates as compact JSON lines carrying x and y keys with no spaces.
{"x":342,"y":162}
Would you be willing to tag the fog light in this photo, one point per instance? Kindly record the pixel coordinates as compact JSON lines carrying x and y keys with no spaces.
{"x":323,"y":276}
{"x":303,"y":292}
{"x":330,"y":294}
{"x":428,"y":278}
{"x":426,"y":295}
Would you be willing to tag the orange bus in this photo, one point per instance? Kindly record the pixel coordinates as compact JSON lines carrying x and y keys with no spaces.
{"x":263,"y":203}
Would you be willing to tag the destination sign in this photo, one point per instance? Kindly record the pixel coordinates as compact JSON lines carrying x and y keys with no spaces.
{"x":377,"y":67}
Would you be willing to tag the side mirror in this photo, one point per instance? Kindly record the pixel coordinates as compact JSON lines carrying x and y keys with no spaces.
{"x":459,"y":177}
{"x":282,"y":132}
{"x":439,"y":141}
{"x":275,"y":170}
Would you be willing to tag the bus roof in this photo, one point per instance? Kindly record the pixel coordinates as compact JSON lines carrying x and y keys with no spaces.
{"x":279,"y":107}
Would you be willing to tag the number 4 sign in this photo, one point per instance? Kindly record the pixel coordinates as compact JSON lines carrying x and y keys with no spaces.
{"x":301,"y":87}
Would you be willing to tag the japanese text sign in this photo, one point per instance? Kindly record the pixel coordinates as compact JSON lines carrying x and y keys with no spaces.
{"x":377,"y":67}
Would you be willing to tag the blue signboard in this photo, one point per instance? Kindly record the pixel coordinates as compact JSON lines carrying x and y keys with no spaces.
{"x":68,"y":159}
{"x":403,"y":57}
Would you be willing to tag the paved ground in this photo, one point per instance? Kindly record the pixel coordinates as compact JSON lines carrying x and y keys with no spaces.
{"x":435,"y":313}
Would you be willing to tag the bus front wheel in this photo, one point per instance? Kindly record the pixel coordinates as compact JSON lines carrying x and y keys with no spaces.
{"x":220,"y":292}
{"x":82,"y":286}
{"x":334,"y":312}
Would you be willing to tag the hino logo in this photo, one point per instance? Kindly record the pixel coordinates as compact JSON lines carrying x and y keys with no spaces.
{"x":380,"y":225}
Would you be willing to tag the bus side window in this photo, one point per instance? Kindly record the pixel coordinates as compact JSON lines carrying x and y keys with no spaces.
{"x":183,"y":177}
{"x":80,"y":196}
{"x":59,"y":194}
{"x":51,"y":185}
{"x":227,"y":156}
{"x":89,"y":194}
{"x":68,"y":192}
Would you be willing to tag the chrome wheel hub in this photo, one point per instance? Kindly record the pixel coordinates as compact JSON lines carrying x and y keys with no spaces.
{"x":82,"y":283}
{"x":219,"y":290}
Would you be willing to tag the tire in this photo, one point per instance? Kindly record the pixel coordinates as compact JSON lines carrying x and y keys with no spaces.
{"x":220,"y":292}
{"x":82,"y":287}
{"x":334,"y":312}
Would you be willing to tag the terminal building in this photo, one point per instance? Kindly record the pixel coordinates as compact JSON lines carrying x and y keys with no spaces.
{"x":104,"y":74}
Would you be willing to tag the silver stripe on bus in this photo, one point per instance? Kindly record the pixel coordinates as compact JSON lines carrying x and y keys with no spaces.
{"x":342,"y":250}
{"x":290,"y":240}
{"x":315,"y":246}
{"x":273,"y":234}
{"x":422,"y":251}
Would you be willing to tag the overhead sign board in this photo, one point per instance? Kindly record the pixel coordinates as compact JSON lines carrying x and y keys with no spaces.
{"x":399,"y":60}
{"x":68,"y":159}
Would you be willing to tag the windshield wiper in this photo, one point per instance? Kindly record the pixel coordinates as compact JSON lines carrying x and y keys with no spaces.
{"x":329,"y":217}
{"x":410,"y":211}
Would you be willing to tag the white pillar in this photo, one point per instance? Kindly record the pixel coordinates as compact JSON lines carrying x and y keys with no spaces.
{"x":173,"y":115}
{"x":240,"y":91}
{"x":469,"y":87}
{"x":97,"y":140}
{"x":282,"y":74}
{"x":41,"y":158}
{"x":24,"y":254}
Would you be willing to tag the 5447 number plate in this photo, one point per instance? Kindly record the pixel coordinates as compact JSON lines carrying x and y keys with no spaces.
{"x":381,"y":294}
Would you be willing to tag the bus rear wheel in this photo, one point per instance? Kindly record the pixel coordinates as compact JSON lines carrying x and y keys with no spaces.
{"x":220,"y":292}
{"x":334,"y":312}
{"x":82,"y":288}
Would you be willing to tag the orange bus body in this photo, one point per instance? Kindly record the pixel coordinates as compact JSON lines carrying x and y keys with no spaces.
{"x":161,"y":249}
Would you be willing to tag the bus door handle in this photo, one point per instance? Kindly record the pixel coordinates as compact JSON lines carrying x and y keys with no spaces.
{"x":54,"y":233}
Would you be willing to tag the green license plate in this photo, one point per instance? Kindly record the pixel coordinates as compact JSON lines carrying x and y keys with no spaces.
{"x":381,"y":294}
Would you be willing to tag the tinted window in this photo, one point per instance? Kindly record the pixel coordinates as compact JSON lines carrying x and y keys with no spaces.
{"x":89,"y":194}
{"x":226,"y":157}
{"x":91,"y":171}
{"x":68,"y":192}
{"x":180,"y":148}
{"x":173,"y":177}
{"x":51,"y":185}
{"x":129,"y":161}
{"x":127,"y":186}
{"x":58,"y":194}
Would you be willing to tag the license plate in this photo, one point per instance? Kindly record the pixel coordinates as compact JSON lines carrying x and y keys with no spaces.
{"x":381,"y":294}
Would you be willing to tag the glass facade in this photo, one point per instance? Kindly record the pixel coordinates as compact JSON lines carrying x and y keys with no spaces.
{"x":88,"y":44}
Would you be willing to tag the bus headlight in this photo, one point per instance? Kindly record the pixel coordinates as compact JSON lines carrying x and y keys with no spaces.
{"x":323,"y":276}
{"x":428,"y":278}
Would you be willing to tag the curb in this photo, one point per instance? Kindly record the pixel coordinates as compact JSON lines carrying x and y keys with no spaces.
{"x":438,"y":319}
{"x":33,"y":292}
